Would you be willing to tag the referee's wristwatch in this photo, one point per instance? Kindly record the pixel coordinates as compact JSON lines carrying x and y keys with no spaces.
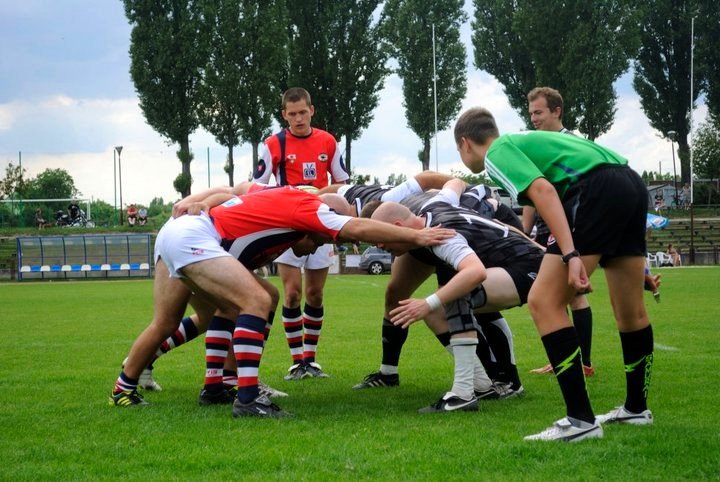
{"x":572,"y":254}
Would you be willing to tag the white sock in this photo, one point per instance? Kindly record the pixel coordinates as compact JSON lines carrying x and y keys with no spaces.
{"x":388,"y":369}
{"x":464,"y":354}
{"x":481,"y":380}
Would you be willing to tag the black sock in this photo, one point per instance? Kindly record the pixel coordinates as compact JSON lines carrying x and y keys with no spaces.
{"x":582,"y":319}
{"x":637,"y":349}
{"x":444,"y":338}
{"x":485,"y":354}
{"x":563,"y":352}
{"x":393,"y":339}
{"x":497,"y":338}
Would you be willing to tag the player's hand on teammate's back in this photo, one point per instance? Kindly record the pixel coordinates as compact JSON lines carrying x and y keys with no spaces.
{"x":433,"y":236}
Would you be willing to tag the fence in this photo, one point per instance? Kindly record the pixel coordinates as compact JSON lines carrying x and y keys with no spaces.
{"x":84,"y":256}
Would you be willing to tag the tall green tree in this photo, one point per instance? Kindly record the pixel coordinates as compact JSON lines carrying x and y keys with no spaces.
{"x":502,"y":51}
{"x":662,"y":72}
{"x":336,"y":54}
{"x":240,"y":91}
{"x":51,"y":184}
{"x":409,"y":30}
{"x":167,"y":56}
{"x":579,"y":48}
{"x":13,"y":182}
{"x":360,"y":63}
{"x":706,"y":151}
{"x":707,"y":44}
{"x":309,"y":64}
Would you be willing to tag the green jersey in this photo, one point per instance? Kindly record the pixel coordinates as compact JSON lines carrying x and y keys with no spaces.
{"x":515,"y":160}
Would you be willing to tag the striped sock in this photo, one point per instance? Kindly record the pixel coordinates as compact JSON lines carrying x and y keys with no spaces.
{"x":268,"y":325}
{"x":217,"y":345}
{"x":124,"y":383}
{"x":292,"y":322}
{"x":229,"y":379}
{"x":186,"y":331}
{"x":312,"y":324}
{"x":248,"y":342}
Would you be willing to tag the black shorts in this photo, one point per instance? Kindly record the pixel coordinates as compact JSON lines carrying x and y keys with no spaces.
{"x":523,"y":274}
{"x":607,"y":212}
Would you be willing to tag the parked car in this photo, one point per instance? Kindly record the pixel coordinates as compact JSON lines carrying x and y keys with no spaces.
{"x":375,"y":260}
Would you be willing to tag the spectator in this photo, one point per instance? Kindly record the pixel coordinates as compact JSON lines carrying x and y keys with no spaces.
{"x":685,"y":197}
{"x":659,"y":201}
{"x":132,"y":215}
{"x":142,"y":216}
{"x":73,"y":211}
{"x":39,"y":218}
{"x":676,"y":261}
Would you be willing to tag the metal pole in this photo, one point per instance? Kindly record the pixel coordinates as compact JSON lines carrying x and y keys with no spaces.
{"x":435,"y":97}
{"x":672,"y":135}
{"x":208,"y":156}
{"x":692,"y":217}
{"x":114,"y":180}
{"x":120,"y":213}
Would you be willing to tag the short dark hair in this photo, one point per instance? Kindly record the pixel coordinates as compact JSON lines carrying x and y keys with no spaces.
{"x":552,"y":97}
{"x":296,"y":94}
{"x":476,"y":124}
{"x":369,"y":208}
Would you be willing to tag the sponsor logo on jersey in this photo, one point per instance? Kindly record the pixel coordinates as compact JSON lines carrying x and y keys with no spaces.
{"x":323,"y":157}
{"x":291,"y":158}
{"x":309,"y":171}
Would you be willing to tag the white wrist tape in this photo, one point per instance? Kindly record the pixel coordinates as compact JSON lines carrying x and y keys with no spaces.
{"x":434,"y":301}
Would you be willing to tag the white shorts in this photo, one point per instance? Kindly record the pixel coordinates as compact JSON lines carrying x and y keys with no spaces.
{"x":323,"y":258}
{"x":187,"y":240}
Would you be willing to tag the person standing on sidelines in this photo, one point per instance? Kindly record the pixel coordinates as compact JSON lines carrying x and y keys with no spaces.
{"x":596,"y":208}
{"x":302,"y":155}
{"x":545,"y":105}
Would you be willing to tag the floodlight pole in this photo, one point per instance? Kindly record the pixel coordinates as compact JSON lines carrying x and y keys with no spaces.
{"x":120,"y":214}
{"x":671,"y":135}
{"x":114,"y":180}
{"x":434,"y":100}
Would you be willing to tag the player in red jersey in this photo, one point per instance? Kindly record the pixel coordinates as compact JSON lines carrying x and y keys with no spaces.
{"x":302,"y":155}
{"x":200,"y":253}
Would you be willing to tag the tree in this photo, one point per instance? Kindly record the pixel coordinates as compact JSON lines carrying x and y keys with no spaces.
{"x":239,"y":90}
{"x":51,"y":184}
{"x":13,"y":181}
{"x":395,"y":179}
{"x":360,"y":63}
{"x":166,"y":60}
{"x":706,"y":151}
{"x":662,"y":72}
{"x":707,"y":28}
{"x":578,"y":48}
{"x":501,"y":51}
{"x":409,"y":25}
{"x":335,"y":54}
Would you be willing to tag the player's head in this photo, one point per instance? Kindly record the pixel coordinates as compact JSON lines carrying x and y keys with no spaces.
{"x":398,"y":215}
{"x":297,"y":110}
{"x":337,"y":203}
{"x":545,"y":106}
{"x":474,"y":132}
{"x":369,"y":208}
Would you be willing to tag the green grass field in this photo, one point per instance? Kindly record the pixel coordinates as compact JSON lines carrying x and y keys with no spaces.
{"x":61,"y":345}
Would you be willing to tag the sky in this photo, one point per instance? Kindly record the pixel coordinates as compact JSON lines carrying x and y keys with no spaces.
{"x":67,"y":100}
